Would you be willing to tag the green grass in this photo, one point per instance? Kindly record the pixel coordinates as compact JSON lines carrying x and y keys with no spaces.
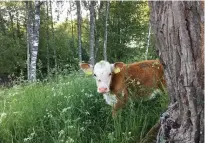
{"x":70,"y":110}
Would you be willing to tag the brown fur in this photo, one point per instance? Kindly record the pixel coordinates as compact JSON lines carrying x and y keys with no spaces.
{"x":146,"y":74}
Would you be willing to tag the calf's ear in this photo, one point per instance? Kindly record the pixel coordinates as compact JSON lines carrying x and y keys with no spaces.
{"x":117,"y":67}
{"x":87,"y":68}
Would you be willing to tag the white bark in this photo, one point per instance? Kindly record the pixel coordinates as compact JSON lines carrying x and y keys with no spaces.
{"x":148,"y":39}
{"x":35,"y":41}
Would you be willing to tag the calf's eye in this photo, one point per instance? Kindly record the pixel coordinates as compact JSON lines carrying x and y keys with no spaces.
{"x":94,"y":74}
{"x":110,"y":74}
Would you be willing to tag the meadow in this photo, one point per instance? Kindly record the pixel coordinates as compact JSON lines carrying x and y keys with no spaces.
{"x":68,"y":109}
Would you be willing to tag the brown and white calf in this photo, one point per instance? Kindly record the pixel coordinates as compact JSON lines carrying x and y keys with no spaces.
{"x":116,"y":81}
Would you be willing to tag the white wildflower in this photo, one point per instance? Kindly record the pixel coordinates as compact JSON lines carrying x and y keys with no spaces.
{"x":3,"y":115}
{"x":70,"y":140}
{"x":82,"y":129}
{"x":61,"y":132}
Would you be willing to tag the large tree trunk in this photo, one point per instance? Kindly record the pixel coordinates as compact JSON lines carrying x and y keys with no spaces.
{"x":179,"y":30}
{"x":92,"y":32}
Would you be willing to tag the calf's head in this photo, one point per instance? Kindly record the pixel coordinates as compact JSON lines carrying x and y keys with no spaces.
{"x":102,"y":72}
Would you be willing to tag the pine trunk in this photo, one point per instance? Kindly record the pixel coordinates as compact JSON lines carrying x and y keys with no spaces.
{"x":179,"y":31}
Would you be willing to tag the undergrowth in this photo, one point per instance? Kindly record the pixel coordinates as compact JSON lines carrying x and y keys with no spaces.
{"x":69,"y":110}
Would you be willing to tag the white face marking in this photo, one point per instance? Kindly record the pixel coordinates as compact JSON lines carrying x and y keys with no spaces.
{"x":110,"y":99}
{"x":103,"y":74}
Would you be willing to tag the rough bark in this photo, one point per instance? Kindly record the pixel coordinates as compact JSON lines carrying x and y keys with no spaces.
{"x":105,"y":34}
{"x":92,"y":32}
{"x":179,"y":30}
{"x":79,"y":31}
{"x":34,"y":41}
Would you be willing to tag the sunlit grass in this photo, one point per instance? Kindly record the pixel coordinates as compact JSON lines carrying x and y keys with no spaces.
{"x":70,"y":110}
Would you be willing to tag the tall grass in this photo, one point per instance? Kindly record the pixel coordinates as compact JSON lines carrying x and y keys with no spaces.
{"x":70,"y":110}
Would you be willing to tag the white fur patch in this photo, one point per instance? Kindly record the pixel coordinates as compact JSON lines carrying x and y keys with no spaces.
{"x":102,"y":72}
{"x":110,"y":98}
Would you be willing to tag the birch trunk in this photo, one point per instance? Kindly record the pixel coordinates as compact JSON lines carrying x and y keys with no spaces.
{"x":92,"y":32}
{"x":179,"y":30}
{"x":105,"y":35}
{"x":79,"y":31}
{"x":35,"y":41}
{"x":148,"y":39}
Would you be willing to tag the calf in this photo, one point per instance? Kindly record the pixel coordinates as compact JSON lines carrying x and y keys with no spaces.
{"x":116,"y":81}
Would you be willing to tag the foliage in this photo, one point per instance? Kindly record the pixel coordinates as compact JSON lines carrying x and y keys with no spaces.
{"x":127,"y":37}
{"x":70,"y":110}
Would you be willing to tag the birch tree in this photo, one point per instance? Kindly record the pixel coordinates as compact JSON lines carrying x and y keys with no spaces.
{"x":79,"y":31}
{"x":179,"y":30}
{"x":34,"y":39}
{"x":105,"y":34}
{"x":148,"y":39}
{"x":92,"y":32}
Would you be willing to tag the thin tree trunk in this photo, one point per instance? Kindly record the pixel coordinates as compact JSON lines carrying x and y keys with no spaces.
{"x":47,"y":38}
{"x":12,"y":24}
{"x":92,"y":32}
{"x":97,"y":27}
{"x":53,"y":38}
{"x":72,"y":33}
{"x":18,"y":33}
{"x":79,"y":31}
{"x":29,"y":30}
{"x":35,"y":42}
{"x":105,"y":35}
{"x":148,"y":39}
{"x":179,"y":30}
{"x":2,"y":21}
